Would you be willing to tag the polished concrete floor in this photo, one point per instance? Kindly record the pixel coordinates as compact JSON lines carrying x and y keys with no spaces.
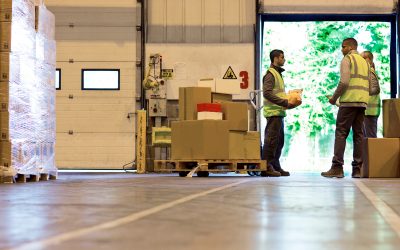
{"x":129,"y":211}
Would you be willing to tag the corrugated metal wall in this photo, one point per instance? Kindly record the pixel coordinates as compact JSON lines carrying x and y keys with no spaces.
{"x":201,"y":21}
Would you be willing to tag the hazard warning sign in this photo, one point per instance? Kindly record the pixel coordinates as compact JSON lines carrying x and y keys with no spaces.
{"x":229,"y":74}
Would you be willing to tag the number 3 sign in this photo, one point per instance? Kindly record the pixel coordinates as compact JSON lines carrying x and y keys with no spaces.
{"x":244,"y":84}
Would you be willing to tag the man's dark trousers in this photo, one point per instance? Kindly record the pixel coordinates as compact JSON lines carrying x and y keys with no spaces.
{"x":274,"y":139}
{"x":349,"y":117}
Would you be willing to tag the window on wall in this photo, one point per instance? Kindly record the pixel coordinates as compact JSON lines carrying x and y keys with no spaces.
{"x":58,"y":79}
{"x":100,"y":79}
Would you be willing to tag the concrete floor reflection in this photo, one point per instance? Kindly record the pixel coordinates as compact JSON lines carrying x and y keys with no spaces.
{"x":303,"y":211}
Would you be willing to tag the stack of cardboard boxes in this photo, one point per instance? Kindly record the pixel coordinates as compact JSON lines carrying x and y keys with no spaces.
{"x":27,"y":92}
{"x":210,"y":139}
{"x":382,"y":155}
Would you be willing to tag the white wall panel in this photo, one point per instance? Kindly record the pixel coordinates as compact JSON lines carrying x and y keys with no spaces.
{"x":91,"y":3}
{"x":94,"y":16}
{"x":116,"y":34}
{"x":90,"y":119}
{"x":192,"y":62}
{"x":336,"y":7}
{"x":97,"y":151}
{"x":124,"y":51}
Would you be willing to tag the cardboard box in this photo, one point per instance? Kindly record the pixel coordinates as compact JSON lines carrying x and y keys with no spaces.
{"x":5,"y":36}
{"x":237,"y":115}
{"x":252,"y":148}
{"x":5,"y":10}
{"x":244,"y":145}
{"x":205,"y":115}
{"x":219,"y":97}
{"x":197,"y":140}
{"x":381,"y":158}
{"x":209,"y":107}
{"x":391,"y":118}
{"x":4,"y":100}
{"x":5,"y":153}
{"x":227,"y":86}
{"x":20,"y":9}
{"x":4,"y":88}
{"x":189,"y":98}
{"x":222,"y":86}
{"x":236,"y":145}
{"x":4,"y":126}
{"x":4,"y":66}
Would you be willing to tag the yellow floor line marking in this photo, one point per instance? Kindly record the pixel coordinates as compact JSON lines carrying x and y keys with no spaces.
{"x":117,"y":222}
{"x":390,"y":216}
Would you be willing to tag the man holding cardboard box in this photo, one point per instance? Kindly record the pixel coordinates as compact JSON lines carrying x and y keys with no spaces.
{"x":354,"y":89}
{"x":275,"y":104}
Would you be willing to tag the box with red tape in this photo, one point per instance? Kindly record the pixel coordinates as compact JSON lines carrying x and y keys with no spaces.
{"x":209,"y":107}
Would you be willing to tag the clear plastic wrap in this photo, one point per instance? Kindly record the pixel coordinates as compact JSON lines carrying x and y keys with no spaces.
{"x":18,"y":34}
{"x":27,"y":92}
{"x":46,"y":24}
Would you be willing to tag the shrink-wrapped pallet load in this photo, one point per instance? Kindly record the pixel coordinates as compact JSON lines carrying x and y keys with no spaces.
{"x":27,"y":72}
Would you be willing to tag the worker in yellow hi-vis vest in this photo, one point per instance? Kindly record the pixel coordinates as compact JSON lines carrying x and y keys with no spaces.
{"x":374,"y":103}
{"x":353,"y":91}
{"x":275,"y":104}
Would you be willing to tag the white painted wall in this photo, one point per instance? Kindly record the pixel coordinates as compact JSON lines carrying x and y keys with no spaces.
{"x":192,"y":62}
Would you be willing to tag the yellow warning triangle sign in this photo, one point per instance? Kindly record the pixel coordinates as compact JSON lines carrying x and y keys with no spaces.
{"x":229,"y":74}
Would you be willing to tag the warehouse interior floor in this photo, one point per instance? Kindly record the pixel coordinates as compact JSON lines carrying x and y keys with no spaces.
{"x":228,"y":211}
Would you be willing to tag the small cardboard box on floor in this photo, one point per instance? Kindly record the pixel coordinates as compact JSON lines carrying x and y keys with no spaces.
{"x":381,"y":158}
{"x":391,"y":118}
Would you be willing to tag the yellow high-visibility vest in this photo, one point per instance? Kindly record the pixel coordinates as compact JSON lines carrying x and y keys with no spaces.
{"x":374,"y":102}
{"x":271,"y":109}
{"x":358,"y":90}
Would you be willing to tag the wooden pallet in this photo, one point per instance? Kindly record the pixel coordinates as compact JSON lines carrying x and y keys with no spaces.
{"x":23,"y":178}
{"x":213,"y":166}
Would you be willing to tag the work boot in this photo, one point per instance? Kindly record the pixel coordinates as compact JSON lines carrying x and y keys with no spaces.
{"x":334,"y":172}
{"x":283,"y":172}
{"x":271,"y":172}
{"x":356,"y":172}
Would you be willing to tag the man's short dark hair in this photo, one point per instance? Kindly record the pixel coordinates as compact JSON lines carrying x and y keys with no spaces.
{"x":275,"y":53}
{"x":351,"y":41}
{"x":369,"y":54}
